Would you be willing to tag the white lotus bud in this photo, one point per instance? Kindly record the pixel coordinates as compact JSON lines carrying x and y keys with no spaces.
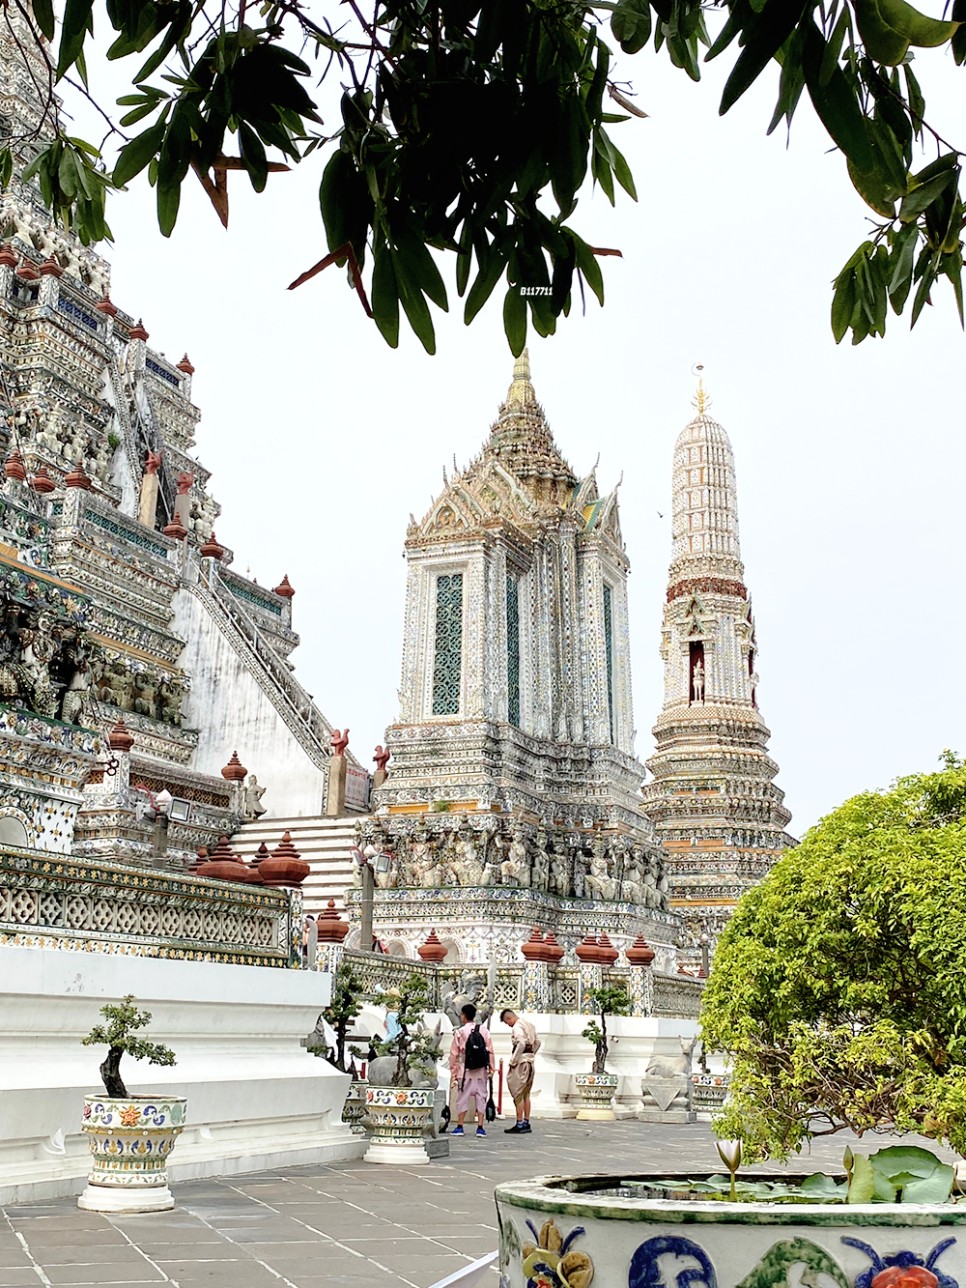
{"x":729,"y":1152}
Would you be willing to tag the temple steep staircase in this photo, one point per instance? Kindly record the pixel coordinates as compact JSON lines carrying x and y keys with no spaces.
{"x":322,"y":842}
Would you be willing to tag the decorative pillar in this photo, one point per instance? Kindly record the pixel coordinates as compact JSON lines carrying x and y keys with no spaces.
{"x":335,"y":788}
{"x":148,"y":505}
{"x":182,"y":502}
{"x":330,"y":931}
{"x":640,"y":957}
{"x":535,"y":991}
{"x":591,"y":972}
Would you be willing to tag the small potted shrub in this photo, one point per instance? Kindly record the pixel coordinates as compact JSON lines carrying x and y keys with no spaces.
{"x":402,"y":1082}
{"x":838,"y":996}
{"x":597,"y":1088}
{"x":339,"y":1015}
{"x":130,"y":1136}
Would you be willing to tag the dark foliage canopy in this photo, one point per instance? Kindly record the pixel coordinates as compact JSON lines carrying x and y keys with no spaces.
{"x":466,"y":128}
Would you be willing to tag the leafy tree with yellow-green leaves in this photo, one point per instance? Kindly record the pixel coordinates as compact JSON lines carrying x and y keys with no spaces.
{"x":838,"y":989}
{"x":465,"y":129}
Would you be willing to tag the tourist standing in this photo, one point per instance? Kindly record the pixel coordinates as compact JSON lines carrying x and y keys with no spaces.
{"x":471,"y":1065}
{"x":519,"y":1078}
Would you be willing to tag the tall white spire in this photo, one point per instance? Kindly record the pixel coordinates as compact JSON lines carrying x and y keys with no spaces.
{"x":712,"y":799}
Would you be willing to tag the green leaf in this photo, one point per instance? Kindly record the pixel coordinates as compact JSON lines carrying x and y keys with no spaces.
{"x":763,"y":39}
{"x":924,"y":195}
{"x":823,"y":1187}
{"x":836,"y":103}
{"x":44,"y":13}
{"x":385,"y":296}
{"x":919,"y":30}
{"x":135,"y":155}
{"x":882,"y":41}
{"x":622,"y":174}
{"x":515,"y":320}
{"x":77,"y":23}
{"x":631,"y":24}
{"x":862,"y":1187}
{"x":588,"y":265}
{"x":842,"y":304}
{"x":482,"y":288}
{"x":169,"y":201}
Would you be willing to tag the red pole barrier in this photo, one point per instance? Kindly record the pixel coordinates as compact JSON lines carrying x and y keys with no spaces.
{"x":499,"y":1098}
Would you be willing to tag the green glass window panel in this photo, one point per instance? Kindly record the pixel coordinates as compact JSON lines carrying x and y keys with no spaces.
{"x":609,"y":647}
{"x":448,"y":658}
{"x":513,"y":650}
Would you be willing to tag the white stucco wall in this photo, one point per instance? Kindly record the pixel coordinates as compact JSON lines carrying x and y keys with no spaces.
{"x":232,"y":712}
{"x":256,"y":1098}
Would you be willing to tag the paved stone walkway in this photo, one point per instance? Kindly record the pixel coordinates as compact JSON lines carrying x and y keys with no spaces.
{"x":351,"y":1225}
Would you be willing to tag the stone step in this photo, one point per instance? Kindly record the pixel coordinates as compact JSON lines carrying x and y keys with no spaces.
{"x":324,"y":843}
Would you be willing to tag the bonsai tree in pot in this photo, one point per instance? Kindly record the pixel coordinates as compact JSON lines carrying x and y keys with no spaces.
{"x":120,"y":1036}
{"x":344,"y":1008}
{"x":597,"y":1088}
{"x":402,"y":1086}
{"x":130,"y":1136}
{"x":838,"y":994}
{"x":608,"y":1000}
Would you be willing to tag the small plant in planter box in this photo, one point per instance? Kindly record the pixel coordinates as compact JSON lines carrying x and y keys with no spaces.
{"x":345,"y":1006}
{"x":120,"y":1036}
{"x":608,"y":1000}
{"x":414,"y":1047}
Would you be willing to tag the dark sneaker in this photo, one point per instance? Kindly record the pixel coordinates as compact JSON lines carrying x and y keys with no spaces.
{"x":524,"y":1127}
{"x":515,"y":1130}
{"x":457,"y":1131}
{"x":480,"y":1131}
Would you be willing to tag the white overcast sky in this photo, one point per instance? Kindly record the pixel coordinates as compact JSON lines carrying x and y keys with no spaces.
{"x":849,"y":460}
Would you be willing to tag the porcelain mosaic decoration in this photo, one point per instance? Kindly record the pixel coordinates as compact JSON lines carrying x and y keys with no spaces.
{"x":626,"y":1242}
{"x":399,"y":1119}
{"x":131,"y":1139}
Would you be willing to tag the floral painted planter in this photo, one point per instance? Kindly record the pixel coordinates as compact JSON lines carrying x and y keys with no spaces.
{"x":596,"y":1092}
{"x":354,"y":1109}
{"x":559,"y":1233}
{"x":130,"y":1141}
{"x":398,"y":1120}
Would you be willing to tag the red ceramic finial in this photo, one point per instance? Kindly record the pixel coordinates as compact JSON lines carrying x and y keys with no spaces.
{"x":51,"y":268}
{"x":285,"y":867}
{"x":138,"y":332}
{"x":120,"y":738}
{"x":13,"y":467}
{"x":175,"y":529}
{"x":431,"y":950}
{"x":106,"y":305}
{"x":332,"y":929}
{"x":42,"y":482}
{"x":554,"y":951}
{"x":261,"y":853}
{"x":78,"y":477}
{"x":588,"y":950}
{"x":235,"y":771}
{"x":212,"y":549}
{"x":640,"y":953}
{"x":608,"y":953}
{"x":185,"y":366}
{"x":284,"y":589}
{"x":285,"y":849}
{"x":533,"y":948}
{"x":221,"y":862}
{"x":8,"y":256}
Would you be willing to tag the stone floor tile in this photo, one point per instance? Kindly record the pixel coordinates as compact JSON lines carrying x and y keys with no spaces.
{"x":65,"y":1254}
{"x":19,"y":1276}
{"x":98,"y":1273}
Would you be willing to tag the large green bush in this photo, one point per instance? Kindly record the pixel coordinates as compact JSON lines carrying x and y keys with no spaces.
{"x":839,"y":987}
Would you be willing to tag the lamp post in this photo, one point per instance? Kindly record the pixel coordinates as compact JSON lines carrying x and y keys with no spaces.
{"x":370,"y":861}
{"x":162,"y":805}
{"x":705,"y":942}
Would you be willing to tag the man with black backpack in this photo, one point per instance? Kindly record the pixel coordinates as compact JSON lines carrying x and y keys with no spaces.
{"x":471,"y":1065}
